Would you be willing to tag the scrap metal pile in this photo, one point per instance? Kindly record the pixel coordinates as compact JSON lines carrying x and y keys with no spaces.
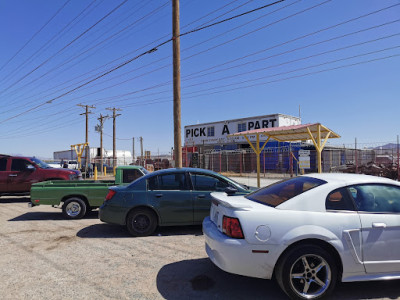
{"x":370,"y":168}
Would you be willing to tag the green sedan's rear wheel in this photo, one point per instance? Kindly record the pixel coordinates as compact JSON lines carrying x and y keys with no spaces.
{"x":141,"y":222}
{"x":74,"y":208}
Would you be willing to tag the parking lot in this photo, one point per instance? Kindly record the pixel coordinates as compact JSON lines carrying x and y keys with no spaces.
{"x":47,"y":257}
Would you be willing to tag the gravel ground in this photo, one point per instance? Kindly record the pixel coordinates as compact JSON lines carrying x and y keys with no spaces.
{"x":44,"y":256}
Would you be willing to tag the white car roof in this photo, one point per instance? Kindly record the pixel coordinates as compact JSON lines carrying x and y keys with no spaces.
{"x":343,"y":178}
{"x":314,"y":199}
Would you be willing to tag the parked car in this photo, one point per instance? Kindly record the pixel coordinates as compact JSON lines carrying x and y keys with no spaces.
{"x":68,"y":164}
{"x":309,"y":232}
{"x":18,"y":173}
{"x":165,"y":198}
{"x":78,"y":197}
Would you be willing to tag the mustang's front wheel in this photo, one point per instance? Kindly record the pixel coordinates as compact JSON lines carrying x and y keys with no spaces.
{"x":307,"y":272}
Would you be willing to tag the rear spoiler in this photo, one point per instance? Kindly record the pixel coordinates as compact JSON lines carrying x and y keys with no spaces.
{"x":221,"y":198}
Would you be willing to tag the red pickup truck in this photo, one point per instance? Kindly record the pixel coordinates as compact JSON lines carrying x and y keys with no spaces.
{"x":18,"y":173}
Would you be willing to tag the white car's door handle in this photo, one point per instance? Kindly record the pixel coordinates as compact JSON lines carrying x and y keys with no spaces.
{"x":378,"y":225}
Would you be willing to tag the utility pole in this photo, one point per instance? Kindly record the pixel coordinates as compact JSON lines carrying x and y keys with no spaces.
{"x":100,"y":129}
{"x":87,"y":112}
{"x":133,"y":150}
{"x":114,"y":144}
{"x":141,"y":151}
{"x":398,"y":159}
{"x":177,"y":83}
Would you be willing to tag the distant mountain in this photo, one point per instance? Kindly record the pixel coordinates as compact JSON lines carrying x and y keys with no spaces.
{"x":387,"y":146}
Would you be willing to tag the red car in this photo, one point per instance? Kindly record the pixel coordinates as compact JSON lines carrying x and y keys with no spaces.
{"x":18,"y":173}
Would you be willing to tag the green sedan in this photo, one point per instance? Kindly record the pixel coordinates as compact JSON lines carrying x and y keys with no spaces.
{"x":167,"y":197}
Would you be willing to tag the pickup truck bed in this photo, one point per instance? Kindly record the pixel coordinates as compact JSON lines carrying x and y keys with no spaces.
{"x":78,"y":197}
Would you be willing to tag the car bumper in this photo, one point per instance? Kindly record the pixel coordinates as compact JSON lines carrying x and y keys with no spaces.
{"x":112,"y":214}
{"x":236,"y":255}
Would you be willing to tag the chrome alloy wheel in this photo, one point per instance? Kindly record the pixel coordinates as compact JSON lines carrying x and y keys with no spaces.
{"x":310,"y":276}
{"x":73,"y":209}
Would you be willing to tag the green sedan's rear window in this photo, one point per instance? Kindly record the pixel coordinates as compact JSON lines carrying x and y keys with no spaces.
{"x":275,"y":194}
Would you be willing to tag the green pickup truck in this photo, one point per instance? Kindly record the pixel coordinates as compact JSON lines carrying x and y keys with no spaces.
{"x":78,"y":197}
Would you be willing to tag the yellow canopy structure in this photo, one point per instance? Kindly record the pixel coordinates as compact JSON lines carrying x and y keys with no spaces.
{"x":319,"y":134}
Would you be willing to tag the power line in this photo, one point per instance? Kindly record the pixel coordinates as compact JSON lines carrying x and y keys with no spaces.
{"x":58,"y":35}
{"x":66,"y":46}
{"x":166,"y":57}
{"x":81,"y":52}
{"x":125,"y":63}
{"x":232,"y":18}
{"x":37,"y":32}
{"x":190,"y":76}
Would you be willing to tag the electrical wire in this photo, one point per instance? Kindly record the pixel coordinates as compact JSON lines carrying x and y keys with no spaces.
{"x":66,"y":46}
{"x":125,"y":63}
{"x":43,"y":48}
{"x":36,"y":33}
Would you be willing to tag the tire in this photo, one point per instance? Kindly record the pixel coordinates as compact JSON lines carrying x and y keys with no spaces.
{"x":74,"y":208}
{"x":141,"y":222}
{"x":307,"y":272}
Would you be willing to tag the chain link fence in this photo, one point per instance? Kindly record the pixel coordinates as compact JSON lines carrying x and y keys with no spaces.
{"x":277,"y":160}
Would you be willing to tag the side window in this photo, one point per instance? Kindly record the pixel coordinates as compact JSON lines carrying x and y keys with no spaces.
{"x":339,"y":200}
{"x":3,"y":164}
{"x":130,"y":175}
{"x":153,"y":183}
{"x":377,"y":198}
{"x":19,"y":164}
{"x":168,"y":182}
{"x":208,"y":183}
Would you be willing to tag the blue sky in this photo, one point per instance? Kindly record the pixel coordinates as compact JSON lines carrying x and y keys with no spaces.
{"x":338,"y":60}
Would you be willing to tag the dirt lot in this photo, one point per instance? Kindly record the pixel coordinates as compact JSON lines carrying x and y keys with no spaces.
{"x":44,"y":256}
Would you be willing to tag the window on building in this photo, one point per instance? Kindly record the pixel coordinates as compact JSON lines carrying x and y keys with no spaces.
{"x":241,"y":127}
{"x":210,"y":131}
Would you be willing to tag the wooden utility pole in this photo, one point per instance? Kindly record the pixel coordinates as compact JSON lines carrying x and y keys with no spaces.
{"x":114,"y":116}
{"x":101,"y":119}
{"x":177,"y":83}
{"x":141,"y":151}
{"x":87,"y":112}
{"x":133,"y":150}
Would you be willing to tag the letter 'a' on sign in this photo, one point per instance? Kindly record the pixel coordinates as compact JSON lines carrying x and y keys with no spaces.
{"x":225,"y":130}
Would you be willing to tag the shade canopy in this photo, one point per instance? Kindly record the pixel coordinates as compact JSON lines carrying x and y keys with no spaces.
{"x":315,"y":132}
{"x":292,"y":133}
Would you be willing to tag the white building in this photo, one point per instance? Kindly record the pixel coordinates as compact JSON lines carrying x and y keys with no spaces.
{"x":123,"y":157}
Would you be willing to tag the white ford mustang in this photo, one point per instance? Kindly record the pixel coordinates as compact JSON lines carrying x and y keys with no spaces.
{"x":309,"y":232}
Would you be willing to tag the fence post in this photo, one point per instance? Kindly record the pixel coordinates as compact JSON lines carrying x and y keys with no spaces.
{"x":220,"y":161}
{"x":240,"y":163}
{"x":356,"y":157}
{"x":264,"y":160}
